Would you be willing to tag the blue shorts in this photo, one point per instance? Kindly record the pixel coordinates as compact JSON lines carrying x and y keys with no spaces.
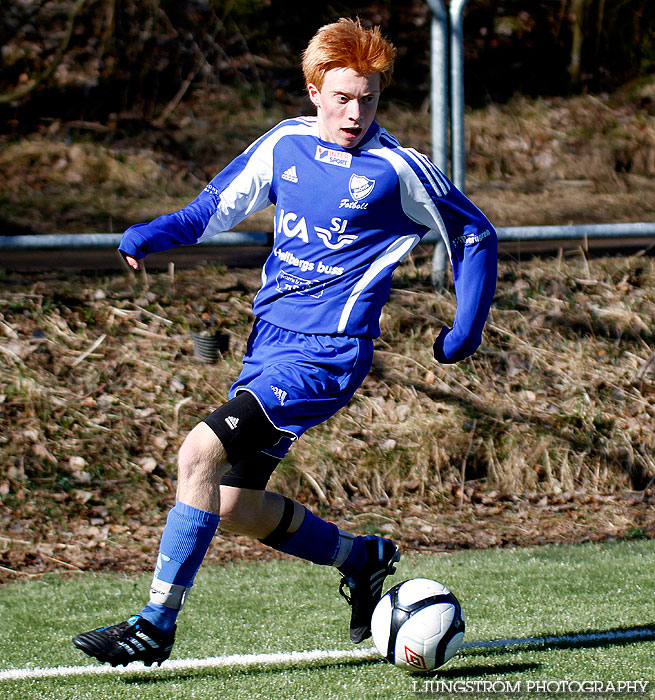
{"x":301,"y":380}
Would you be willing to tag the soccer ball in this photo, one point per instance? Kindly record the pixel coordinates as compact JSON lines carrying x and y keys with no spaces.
{"x":418,"y":625}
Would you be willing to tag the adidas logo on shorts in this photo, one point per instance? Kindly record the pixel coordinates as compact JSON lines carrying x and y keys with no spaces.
{"x":232,"y":422}
{"x":280,"y":394}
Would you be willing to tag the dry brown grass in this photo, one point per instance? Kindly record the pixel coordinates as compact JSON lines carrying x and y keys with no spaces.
{"x":582,"y":160}
{"x":99,"y":385}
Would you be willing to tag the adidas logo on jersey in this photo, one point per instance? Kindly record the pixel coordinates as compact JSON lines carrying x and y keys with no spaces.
{"x":290,"y":174}
{"x":280,"y":394}
{"x":232,"y":422}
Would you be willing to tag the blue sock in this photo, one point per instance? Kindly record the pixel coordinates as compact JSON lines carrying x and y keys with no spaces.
{"x":321,"y":542}
{"x":184,"y":543}
{"x":352,"y":556}
{"x":315,"y":540}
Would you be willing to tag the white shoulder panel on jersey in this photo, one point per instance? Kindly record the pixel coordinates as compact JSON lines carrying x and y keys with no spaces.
{"x":417,"y":202}
{"x":248,"y":191}
{"x":432,"y":174}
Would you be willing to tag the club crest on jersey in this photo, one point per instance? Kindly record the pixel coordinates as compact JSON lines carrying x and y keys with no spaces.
{"x":333,"y":157}
{"x":360,"y":187}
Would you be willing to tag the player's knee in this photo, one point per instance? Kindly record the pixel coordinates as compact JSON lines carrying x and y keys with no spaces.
{"x":201,"y":452}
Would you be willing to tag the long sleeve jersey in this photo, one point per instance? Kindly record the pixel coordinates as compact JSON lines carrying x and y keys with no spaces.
{"x":344,"y":219}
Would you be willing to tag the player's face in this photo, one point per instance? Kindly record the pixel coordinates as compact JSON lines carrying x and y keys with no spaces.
{"x":345,"y":105}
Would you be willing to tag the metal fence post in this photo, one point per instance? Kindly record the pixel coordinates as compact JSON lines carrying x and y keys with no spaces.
{"x":439,"y":111}
{"x":458,"y":147}
{"x":439,"y":89}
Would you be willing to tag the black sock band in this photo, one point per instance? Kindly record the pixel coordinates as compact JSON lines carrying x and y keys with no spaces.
{"x":281,"y":533}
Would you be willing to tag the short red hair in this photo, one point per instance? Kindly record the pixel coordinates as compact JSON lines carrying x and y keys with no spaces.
{"x":346,"y":44}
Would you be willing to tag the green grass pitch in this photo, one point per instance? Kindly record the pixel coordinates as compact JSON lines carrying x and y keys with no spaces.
{"x":568,"y":598}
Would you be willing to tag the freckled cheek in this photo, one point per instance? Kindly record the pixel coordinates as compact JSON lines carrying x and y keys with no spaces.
{"x":369,"y":111}
{"x":335,"y":114}
{"x":368,"y":116}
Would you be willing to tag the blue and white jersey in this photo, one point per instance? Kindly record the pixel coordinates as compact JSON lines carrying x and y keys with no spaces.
{"x":344,"y":220}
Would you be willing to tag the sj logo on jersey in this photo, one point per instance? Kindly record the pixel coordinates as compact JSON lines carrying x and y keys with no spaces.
{"x":339,"y":227}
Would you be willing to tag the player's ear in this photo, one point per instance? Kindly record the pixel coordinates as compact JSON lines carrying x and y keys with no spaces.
{"x":314,"y":94}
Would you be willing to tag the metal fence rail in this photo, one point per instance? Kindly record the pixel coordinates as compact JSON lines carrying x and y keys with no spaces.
{"x":568,"y":232}
{"x":235,"y":238}
{"x":543,"y":233}
{"x":71,"y":241}
{"x":78,"y":241}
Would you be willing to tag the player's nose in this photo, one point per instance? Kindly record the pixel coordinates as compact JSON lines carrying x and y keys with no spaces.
{"x":354,"y":110}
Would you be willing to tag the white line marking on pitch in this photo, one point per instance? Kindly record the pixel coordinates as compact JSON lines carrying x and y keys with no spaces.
{"x":246,"y":660}
{"x":185,"y":664}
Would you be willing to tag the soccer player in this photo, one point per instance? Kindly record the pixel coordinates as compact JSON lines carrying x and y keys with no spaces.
{"x":351,"y":203}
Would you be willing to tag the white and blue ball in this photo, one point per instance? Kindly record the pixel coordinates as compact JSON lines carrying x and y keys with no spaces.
{"x":418,"y":625}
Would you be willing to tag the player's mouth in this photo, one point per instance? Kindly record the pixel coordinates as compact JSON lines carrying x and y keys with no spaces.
{"x":352,"y":132}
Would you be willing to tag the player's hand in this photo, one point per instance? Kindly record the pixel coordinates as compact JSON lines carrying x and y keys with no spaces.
{"x":437,"y":348}
{"x":132,"y":262}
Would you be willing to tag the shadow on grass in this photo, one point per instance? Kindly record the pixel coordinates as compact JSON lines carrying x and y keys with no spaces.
{"x":479,"y":671}
{"x":177,"y":674}
{"x":449,"y":673}
{"x":573,"y":640}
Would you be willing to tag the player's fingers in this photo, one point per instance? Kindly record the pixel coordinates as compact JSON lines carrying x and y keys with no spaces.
{"x":132,"y":262}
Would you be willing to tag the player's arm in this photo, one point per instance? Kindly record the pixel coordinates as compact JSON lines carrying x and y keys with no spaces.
{"x":183,"y":227}
{"x":430,"y":199}
{"x":474,"y":257}
{"x":238,"y":190}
